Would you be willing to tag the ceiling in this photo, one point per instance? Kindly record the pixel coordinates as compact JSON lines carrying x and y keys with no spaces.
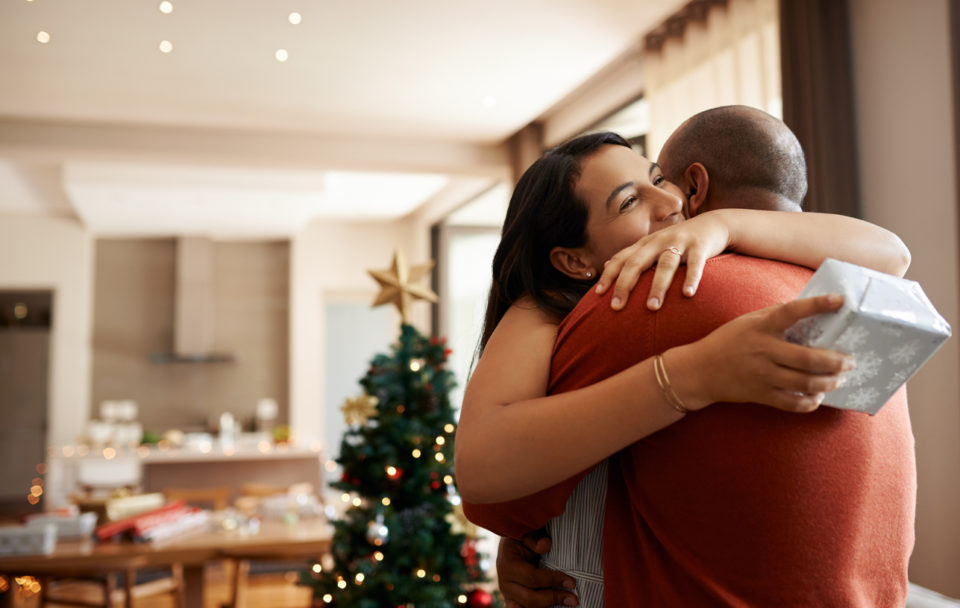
{"x":379,"y":106}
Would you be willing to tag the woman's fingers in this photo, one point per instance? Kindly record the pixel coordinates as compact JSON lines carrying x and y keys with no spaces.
{"x":611,"y":268}
{"x":803,"y":382}
{"x":790,"y":401}
{"x":614,"y":266}
{"x":783,"y":316}
{"x":696,"y":260}
{"x":667,"y":265}
{"x":810,"y":360}
{"x":626,"y":267}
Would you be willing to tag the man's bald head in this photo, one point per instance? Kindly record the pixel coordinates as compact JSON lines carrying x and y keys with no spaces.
{"x":747,"y":154}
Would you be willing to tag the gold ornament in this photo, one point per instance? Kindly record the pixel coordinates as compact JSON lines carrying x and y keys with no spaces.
{"x":397,"y":284}
{"x":459,"y":524}
{"x":359,"y":409}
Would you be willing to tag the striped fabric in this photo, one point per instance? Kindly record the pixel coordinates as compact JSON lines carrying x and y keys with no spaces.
{"x":577,"y":535}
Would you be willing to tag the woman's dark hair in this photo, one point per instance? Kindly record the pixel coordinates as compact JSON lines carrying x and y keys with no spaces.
{"x":544,"y":213}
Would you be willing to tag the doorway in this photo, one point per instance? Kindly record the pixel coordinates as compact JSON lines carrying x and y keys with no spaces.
{"x":25,"y":323}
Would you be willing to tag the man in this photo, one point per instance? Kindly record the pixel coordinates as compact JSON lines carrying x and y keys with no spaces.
{"x":737,"y":505}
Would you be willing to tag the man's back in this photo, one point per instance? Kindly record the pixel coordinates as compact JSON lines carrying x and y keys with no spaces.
{"x":740,"y":504}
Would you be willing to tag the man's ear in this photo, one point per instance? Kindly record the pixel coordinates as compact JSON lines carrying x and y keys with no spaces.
{"x":697,"y":182}
{"x":572,"y":262}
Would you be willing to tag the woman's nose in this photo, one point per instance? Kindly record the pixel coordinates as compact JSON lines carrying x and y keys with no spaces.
{"x":668,"y":205}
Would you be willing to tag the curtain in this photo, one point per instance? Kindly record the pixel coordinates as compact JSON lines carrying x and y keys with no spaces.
{"x":818,"y":100}
{"x":711,"y":54}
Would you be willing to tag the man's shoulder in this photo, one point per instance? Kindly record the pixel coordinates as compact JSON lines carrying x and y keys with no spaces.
{"x":595,"y":341}
{"x":725,"y":277}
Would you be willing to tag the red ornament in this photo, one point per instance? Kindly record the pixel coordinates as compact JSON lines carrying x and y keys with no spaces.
{"x":469,"y":552}
{"x":345,"y":477}
{"x":478,"y":598}
{"x":396,"y":474}
{"x":435,"y":485}
{"x":434,"y":475}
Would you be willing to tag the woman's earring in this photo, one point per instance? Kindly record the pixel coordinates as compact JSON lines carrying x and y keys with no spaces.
{"x":589,"y":274}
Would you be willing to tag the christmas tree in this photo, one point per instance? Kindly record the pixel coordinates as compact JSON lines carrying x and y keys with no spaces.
{"x":402,"y":540}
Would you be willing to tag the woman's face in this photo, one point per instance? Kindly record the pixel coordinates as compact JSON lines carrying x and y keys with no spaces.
{"x":627,"y":198}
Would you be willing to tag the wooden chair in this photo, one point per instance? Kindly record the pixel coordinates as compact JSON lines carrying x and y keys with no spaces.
{"x":244,"y":560}
{"x":102,"y":588}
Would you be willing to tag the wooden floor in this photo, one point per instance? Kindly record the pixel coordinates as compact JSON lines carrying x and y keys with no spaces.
{"x":263,"y":591}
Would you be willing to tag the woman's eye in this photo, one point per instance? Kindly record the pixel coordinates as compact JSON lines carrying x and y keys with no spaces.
{"x":658,"y":180}
{"x":627,"y":203}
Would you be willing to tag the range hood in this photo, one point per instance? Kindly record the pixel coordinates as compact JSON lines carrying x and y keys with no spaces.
{"x":193,"y":316}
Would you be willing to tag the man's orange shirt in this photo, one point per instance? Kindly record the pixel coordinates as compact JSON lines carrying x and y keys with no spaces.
{"x":738,"y":504}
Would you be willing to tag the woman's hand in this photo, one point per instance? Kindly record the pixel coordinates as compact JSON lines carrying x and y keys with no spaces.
{"x":692,"y":241}
{"x":749,"y":360}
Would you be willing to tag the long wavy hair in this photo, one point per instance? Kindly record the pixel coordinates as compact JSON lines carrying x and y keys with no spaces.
{"x":544,"y":213}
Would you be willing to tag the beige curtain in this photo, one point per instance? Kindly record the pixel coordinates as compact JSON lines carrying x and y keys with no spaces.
{"x":730,"y":55}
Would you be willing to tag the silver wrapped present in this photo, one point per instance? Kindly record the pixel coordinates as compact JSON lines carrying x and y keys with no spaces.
{"x":887,"y":323}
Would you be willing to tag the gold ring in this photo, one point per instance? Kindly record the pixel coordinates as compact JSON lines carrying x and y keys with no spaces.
{"x":672,"y":250}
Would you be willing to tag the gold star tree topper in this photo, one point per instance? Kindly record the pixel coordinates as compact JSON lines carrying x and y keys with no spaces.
{"x":359,"y":409}
{"x":398,"y":284}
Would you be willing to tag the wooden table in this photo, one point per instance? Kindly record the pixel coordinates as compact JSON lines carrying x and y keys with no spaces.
{"x":309,"y":538}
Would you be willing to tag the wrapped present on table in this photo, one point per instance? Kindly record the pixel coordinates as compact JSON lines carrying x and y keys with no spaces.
{"x":27,"y":540}
{"x":886,"y":323}
{"x":68,"y":525}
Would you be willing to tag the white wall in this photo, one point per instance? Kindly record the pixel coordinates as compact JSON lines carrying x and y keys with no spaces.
{"x":55,"y":253}
{"x":329,"y":260}
{"x":904,"y":112}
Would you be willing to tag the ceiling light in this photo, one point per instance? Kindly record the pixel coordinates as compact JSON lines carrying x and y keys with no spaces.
{"x":489,"y":102}
{"x":166,"y":46}
{"x":282,"y":55}
{"x":43,"y":37}
{"x":295,"y":18}
{"x":166,"y":7}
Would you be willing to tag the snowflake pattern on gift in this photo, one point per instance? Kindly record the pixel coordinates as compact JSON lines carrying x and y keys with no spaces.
{"x":868,"y":366}
{"x":805,"y":332}
{"x":892,"y":331}
{"x":903,"y":354}
{"x":852,"y":338}
{"x":863,"y":399}
{"x":896,"y":379}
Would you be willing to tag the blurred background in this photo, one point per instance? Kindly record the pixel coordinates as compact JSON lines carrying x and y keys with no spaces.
{"x":192,"y":191}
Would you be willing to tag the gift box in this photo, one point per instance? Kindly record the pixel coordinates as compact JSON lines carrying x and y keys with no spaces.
{"x":887,"y":323}
{"x":25,"y":540}
{"x":68,"y":526}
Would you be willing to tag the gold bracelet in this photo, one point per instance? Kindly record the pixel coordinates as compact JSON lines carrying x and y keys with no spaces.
{"x":663,"y":381}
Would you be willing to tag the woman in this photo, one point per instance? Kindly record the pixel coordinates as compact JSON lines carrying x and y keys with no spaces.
{"x":571,"y":211}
